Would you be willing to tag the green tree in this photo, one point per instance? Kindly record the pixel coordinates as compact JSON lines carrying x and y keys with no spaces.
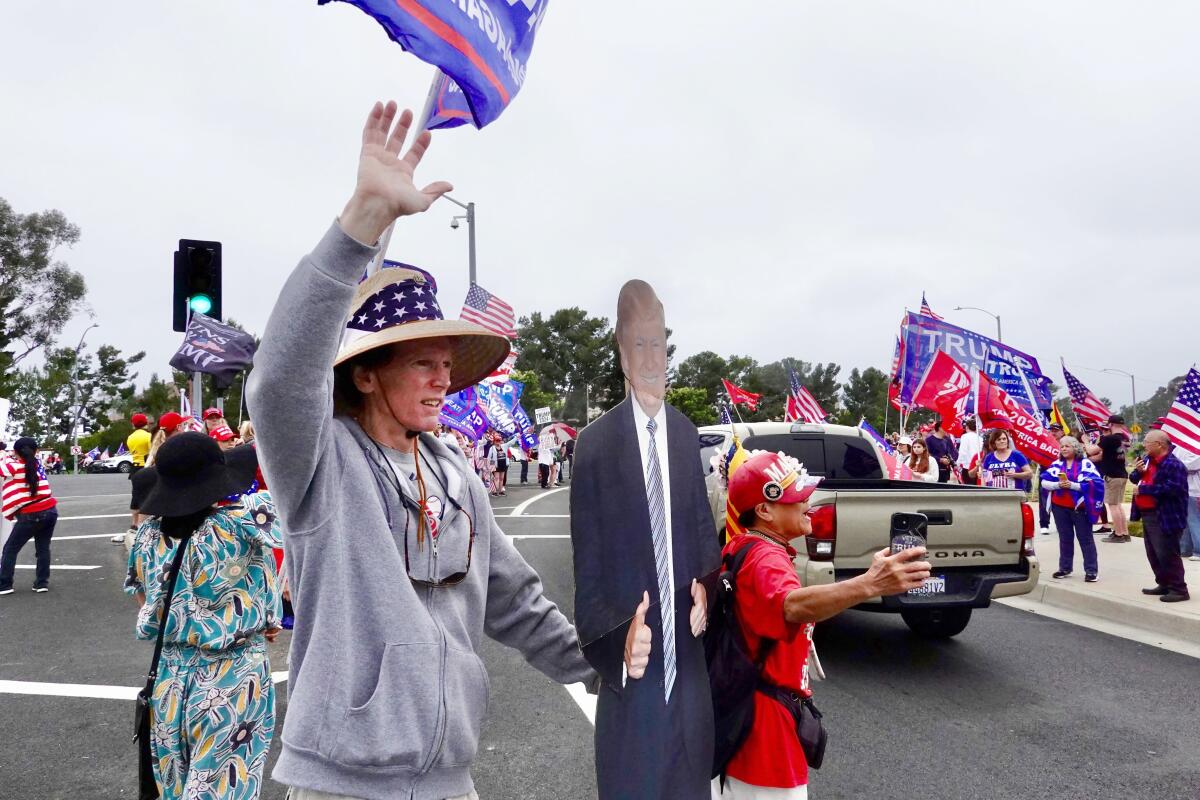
{"x":38,"y":295}
{"x":565,"y":349}
{"x":865,"y":395}
{"x":45,"y":397}
{"x":693,"y":402}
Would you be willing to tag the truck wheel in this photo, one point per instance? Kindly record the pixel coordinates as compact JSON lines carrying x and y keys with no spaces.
{"x":936,"y":623}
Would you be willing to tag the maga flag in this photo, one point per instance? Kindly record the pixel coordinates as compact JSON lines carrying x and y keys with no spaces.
{"x":944,"y":388}
{"x":997,"y":410}
{"x":447,"y":104}
{"x":738,"y":395}
{"x":214,"y":348}
{"x":483,"y":45}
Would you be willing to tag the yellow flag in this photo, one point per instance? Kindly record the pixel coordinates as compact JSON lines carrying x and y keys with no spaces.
{"x":733,"y":460}
{"x":1056,"y":417}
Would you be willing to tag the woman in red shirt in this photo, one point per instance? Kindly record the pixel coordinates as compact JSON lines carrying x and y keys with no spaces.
{"x":28,"y":502}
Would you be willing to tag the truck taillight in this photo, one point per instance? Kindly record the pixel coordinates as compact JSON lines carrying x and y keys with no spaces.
{"x":1027,"y":529}
{"x":823,"y":538}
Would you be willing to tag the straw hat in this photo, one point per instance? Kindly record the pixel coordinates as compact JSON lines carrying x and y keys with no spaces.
{"x":399,"y":304}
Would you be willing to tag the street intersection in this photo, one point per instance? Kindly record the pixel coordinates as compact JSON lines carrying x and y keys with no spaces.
{"x":1018,"y":706}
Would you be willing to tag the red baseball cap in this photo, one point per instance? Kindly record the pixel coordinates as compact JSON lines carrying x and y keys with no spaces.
{"x":169,"y":421}
{"x":222,"y":433}
{"x":212,"y":413}
{"x":769,"y":478}
{"x":138,"y":419}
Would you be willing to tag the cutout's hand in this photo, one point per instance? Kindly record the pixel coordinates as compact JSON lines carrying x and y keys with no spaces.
{"x":699,"y":615}
{"x":637,"y":641}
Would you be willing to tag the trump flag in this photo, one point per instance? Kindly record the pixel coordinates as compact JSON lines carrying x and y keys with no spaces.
{"x":483,"y":45}
{"x":996,"y":409}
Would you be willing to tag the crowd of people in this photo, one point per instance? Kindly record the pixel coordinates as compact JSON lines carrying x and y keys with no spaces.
{"x":1083,"y":491}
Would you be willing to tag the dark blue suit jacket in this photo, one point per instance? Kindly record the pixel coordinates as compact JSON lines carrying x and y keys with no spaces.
{"x":614,"y":564}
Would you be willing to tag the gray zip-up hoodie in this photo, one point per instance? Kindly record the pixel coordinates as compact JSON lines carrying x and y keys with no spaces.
{"x":386,"y":689}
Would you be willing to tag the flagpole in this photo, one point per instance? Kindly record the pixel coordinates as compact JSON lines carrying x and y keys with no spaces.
{"x":903,"y":370}
{"x":735,"y":408}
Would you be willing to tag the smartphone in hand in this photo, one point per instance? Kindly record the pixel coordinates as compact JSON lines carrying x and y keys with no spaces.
{"x":909,"y":529}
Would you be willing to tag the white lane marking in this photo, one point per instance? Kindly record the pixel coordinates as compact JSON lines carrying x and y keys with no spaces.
{"x":519,"y":510}
{"x":85,"y":496}
{"x":56,"y":566}
{"x":536,"y":516}
{"x":87,"y":536}
{"x":96,"y":516}
{"x":585,"y":701}
{"x":514,"y":537}
{"x":93,"y":691}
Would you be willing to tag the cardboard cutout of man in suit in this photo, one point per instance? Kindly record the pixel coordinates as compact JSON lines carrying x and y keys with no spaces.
{"x":642,"y":534}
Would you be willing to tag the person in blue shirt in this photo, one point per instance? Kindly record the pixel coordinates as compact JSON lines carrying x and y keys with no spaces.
{"x":1004,"y":467}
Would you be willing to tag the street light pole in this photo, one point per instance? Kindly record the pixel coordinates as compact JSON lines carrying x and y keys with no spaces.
{"x":999,"y":337}
{"x":470,"y":218}
{"x":74,"y":400}
{"x":1132,"y":389}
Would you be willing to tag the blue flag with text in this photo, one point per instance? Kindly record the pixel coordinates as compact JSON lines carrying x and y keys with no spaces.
{"x":483,"y":45}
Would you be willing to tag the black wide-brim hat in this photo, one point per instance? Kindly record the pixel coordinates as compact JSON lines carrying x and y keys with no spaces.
{"x":193,"y":473}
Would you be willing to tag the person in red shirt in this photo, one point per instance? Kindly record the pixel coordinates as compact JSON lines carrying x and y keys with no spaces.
{"x":770,"y":492}
{"x":29,"y":503}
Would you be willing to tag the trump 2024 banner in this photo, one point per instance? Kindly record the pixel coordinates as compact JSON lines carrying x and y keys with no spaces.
{"x":483,"y":45}
{"x":1007,"y":367}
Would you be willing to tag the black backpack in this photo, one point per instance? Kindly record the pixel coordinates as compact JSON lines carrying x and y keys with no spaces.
{"x":733,"y":675}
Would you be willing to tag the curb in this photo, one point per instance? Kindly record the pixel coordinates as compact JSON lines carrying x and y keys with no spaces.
{"x":1128,"y":612}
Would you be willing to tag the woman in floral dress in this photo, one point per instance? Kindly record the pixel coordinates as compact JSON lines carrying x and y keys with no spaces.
{"x":213,"y":706}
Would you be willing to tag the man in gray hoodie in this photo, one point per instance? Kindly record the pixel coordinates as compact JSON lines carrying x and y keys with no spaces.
{"x":396,"y":564}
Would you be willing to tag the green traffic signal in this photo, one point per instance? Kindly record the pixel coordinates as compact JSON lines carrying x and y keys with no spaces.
{"x":200,"y":303}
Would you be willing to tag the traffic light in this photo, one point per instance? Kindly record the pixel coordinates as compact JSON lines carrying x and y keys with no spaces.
{"x":197,"y":281}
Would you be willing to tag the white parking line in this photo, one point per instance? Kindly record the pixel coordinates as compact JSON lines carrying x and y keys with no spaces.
{"x":536,"y":516}
{"x":519,"y":510}
{"x":56,"y":566}
{"x":94,"y":691}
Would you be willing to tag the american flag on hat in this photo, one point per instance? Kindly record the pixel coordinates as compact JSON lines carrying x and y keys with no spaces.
{"x":1086,"y":404}
{"x":1182,"y":421}
{"x":486,"y":309}
{"x":801,"y":405}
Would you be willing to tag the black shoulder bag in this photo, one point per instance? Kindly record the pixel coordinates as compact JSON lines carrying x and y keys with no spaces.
{"x":147,"y":786}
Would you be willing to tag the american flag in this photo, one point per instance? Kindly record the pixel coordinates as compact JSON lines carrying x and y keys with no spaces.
{"x":726,"y":418}
{"x":1182,"y":422}
{"x":484,"y":308}
{"x":926,"y":311}
{"x":801,"y":405}
{"x":1086,"y":404}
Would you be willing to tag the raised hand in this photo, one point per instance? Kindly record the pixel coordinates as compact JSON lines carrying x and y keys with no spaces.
{"x":637,"y":641}
{"x":385,"y":189}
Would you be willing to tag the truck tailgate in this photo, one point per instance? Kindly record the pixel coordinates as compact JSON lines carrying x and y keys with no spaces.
{"x":967,"y":527}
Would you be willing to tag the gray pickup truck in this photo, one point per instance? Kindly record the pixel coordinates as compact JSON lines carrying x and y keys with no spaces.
{"x":980,"y":540}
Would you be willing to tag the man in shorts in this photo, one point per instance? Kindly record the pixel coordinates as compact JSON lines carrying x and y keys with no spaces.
{"x":1112,"y":466}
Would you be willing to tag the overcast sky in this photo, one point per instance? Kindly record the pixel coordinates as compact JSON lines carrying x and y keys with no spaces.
{"x":788,"y":175}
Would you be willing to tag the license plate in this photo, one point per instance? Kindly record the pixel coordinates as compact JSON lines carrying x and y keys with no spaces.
{"x":932,"y":585}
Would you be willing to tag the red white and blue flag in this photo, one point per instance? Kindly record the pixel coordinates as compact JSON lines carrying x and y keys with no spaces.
{"x":926,"y":311}
{"x":485,"y":309}
{"x":1182,"y":421}
{"x":483,"y":45}
{"x":447,"y":104}
{"x":738,"y":395}
{"x":1086,"y":404}
{"x":801,"y":405}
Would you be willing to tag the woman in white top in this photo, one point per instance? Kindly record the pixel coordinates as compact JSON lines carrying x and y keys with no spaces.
{"x":922,"y":466}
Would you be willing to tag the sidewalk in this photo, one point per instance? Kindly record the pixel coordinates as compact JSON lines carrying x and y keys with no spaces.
{"x":1117,"y":597}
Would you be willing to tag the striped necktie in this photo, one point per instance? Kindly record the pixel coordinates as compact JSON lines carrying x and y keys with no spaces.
{"x":658,"y":529}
